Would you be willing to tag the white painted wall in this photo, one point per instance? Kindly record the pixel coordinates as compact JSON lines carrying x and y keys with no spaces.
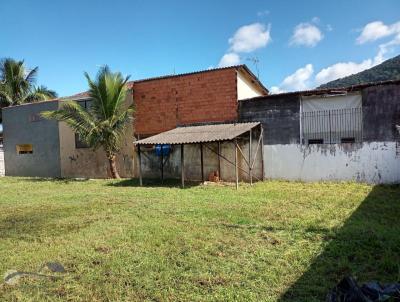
{"x":245,"y":88}
{"x":375,"y":162}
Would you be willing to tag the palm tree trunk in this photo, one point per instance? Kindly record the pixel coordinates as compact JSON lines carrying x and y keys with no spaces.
{"x":113,"y":166}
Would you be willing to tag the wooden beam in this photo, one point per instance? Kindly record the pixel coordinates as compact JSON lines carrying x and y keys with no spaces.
{"x":241,"y":152}
{"x":219,"y":160}
{"x":231,"y":162}
{"x":236,"y":165}
{"x":262,"y":152}
{"x":258,"y":146}
{"x":250,"y":166}
{"x":202,"y":162}
{"x":182,"y":166}
{"x":140,"y":167}
{"x":162,"y":164}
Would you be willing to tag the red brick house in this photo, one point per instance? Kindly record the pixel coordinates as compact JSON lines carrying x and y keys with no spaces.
{"x":163,"y":103}
{"x":206,"y":96}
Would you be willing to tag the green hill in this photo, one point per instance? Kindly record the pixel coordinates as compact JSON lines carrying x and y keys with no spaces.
{"x":388,"y":70}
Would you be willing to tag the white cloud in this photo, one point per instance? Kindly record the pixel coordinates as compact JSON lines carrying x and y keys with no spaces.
{"x":275,"y":90}
{"x":250,"y":37}
{"x":304,"y":77}
{"x":329,"y":27}
{"x":387,"y":48}
{"x":340,"y":70}
{"x":377,"y":30}
{"x":229,"y":59}
{"x":299,"y":80}
{"x":306,"y":34}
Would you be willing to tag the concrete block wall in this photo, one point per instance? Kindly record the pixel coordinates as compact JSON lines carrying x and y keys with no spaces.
{"x":163,"y":104}
{"x":23,"y":125}
{"x":375,"y":160}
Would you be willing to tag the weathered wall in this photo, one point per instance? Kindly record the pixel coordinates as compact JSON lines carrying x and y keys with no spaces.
{"x":381,"y":112}
{"x":373,"y":162}
{"x":172,"y":169}
{"x":279,"y":116}
{"x":162,"y":104}
{"x":23,"y":125}
{"x":86,"y":163}
{"x":376,"y":160}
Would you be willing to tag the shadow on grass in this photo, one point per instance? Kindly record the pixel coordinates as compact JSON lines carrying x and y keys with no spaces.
{"x":367,"y":247}
{"x":152,"y":182}
{"x":31,"y":225}
{"x":55,"y":180}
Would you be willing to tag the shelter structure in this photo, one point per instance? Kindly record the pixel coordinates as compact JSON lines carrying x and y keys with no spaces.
{"x":238,"y":134}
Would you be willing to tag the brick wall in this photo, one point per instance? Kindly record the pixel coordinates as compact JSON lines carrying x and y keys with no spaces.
{"x":162,"y":104}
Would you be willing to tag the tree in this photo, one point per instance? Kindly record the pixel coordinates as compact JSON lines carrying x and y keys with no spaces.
{"x":17,"y":84}
{"x":103,"y":123}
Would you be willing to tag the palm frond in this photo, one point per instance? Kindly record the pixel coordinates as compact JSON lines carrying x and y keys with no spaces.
{"x":17,"y":82}
{"x":31,"y":75}
{"x":75,"y":116}
{"x":5,"y":98}
{"x":39,"y":93}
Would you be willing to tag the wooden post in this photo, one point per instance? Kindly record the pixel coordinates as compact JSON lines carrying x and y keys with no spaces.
{"x":182,"y":166}
{"x":250,"y":168}
{"x":202,"y":163}
{"x":236,"y":165}
{"x":262,"y":152}
{"x":162,"y":164}
{"x":140,"y":167}
{"x":219,"y":160}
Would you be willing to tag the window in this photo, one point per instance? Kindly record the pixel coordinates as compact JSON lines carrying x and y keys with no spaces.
{"x":35,"y":117}
{"x":315,"y":141}
{"x":24,"y":149}
{"x":347,"y":140}
{"x":332,"y":126}
{"x":85,"y":103}
{"x":79,"y":143}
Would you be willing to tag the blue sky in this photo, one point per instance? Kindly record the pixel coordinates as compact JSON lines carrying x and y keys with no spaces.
{"x":299,"y":44}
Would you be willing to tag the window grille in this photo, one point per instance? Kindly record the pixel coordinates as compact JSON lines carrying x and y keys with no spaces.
{"x":332,"y":126}
{"x":79,"y":143}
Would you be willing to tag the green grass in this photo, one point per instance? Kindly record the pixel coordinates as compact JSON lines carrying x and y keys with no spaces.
{"x":275,"y":241}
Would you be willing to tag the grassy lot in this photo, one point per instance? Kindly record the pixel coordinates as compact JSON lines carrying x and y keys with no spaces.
{"x":276,"y":241}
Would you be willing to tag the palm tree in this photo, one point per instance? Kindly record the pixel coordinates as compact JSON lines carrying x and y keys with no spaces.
{"x":17,"y":84}
{"x":103,"y":123}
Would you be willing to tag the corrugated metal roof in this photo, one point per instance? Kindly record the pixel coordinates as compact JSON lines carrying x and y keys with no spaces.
{"x":198,"y":134}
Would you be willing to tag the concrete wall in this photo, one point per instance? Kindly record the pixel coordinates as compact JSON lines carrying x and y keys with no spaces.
{"x":172,"y":169}
{"x":23,"y":125}
{"x":86,"y":163}
{"x":381,"y":112}
{"x":375,"y":160}
{"x":371,"y":162}
{"x":279,"y":116}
